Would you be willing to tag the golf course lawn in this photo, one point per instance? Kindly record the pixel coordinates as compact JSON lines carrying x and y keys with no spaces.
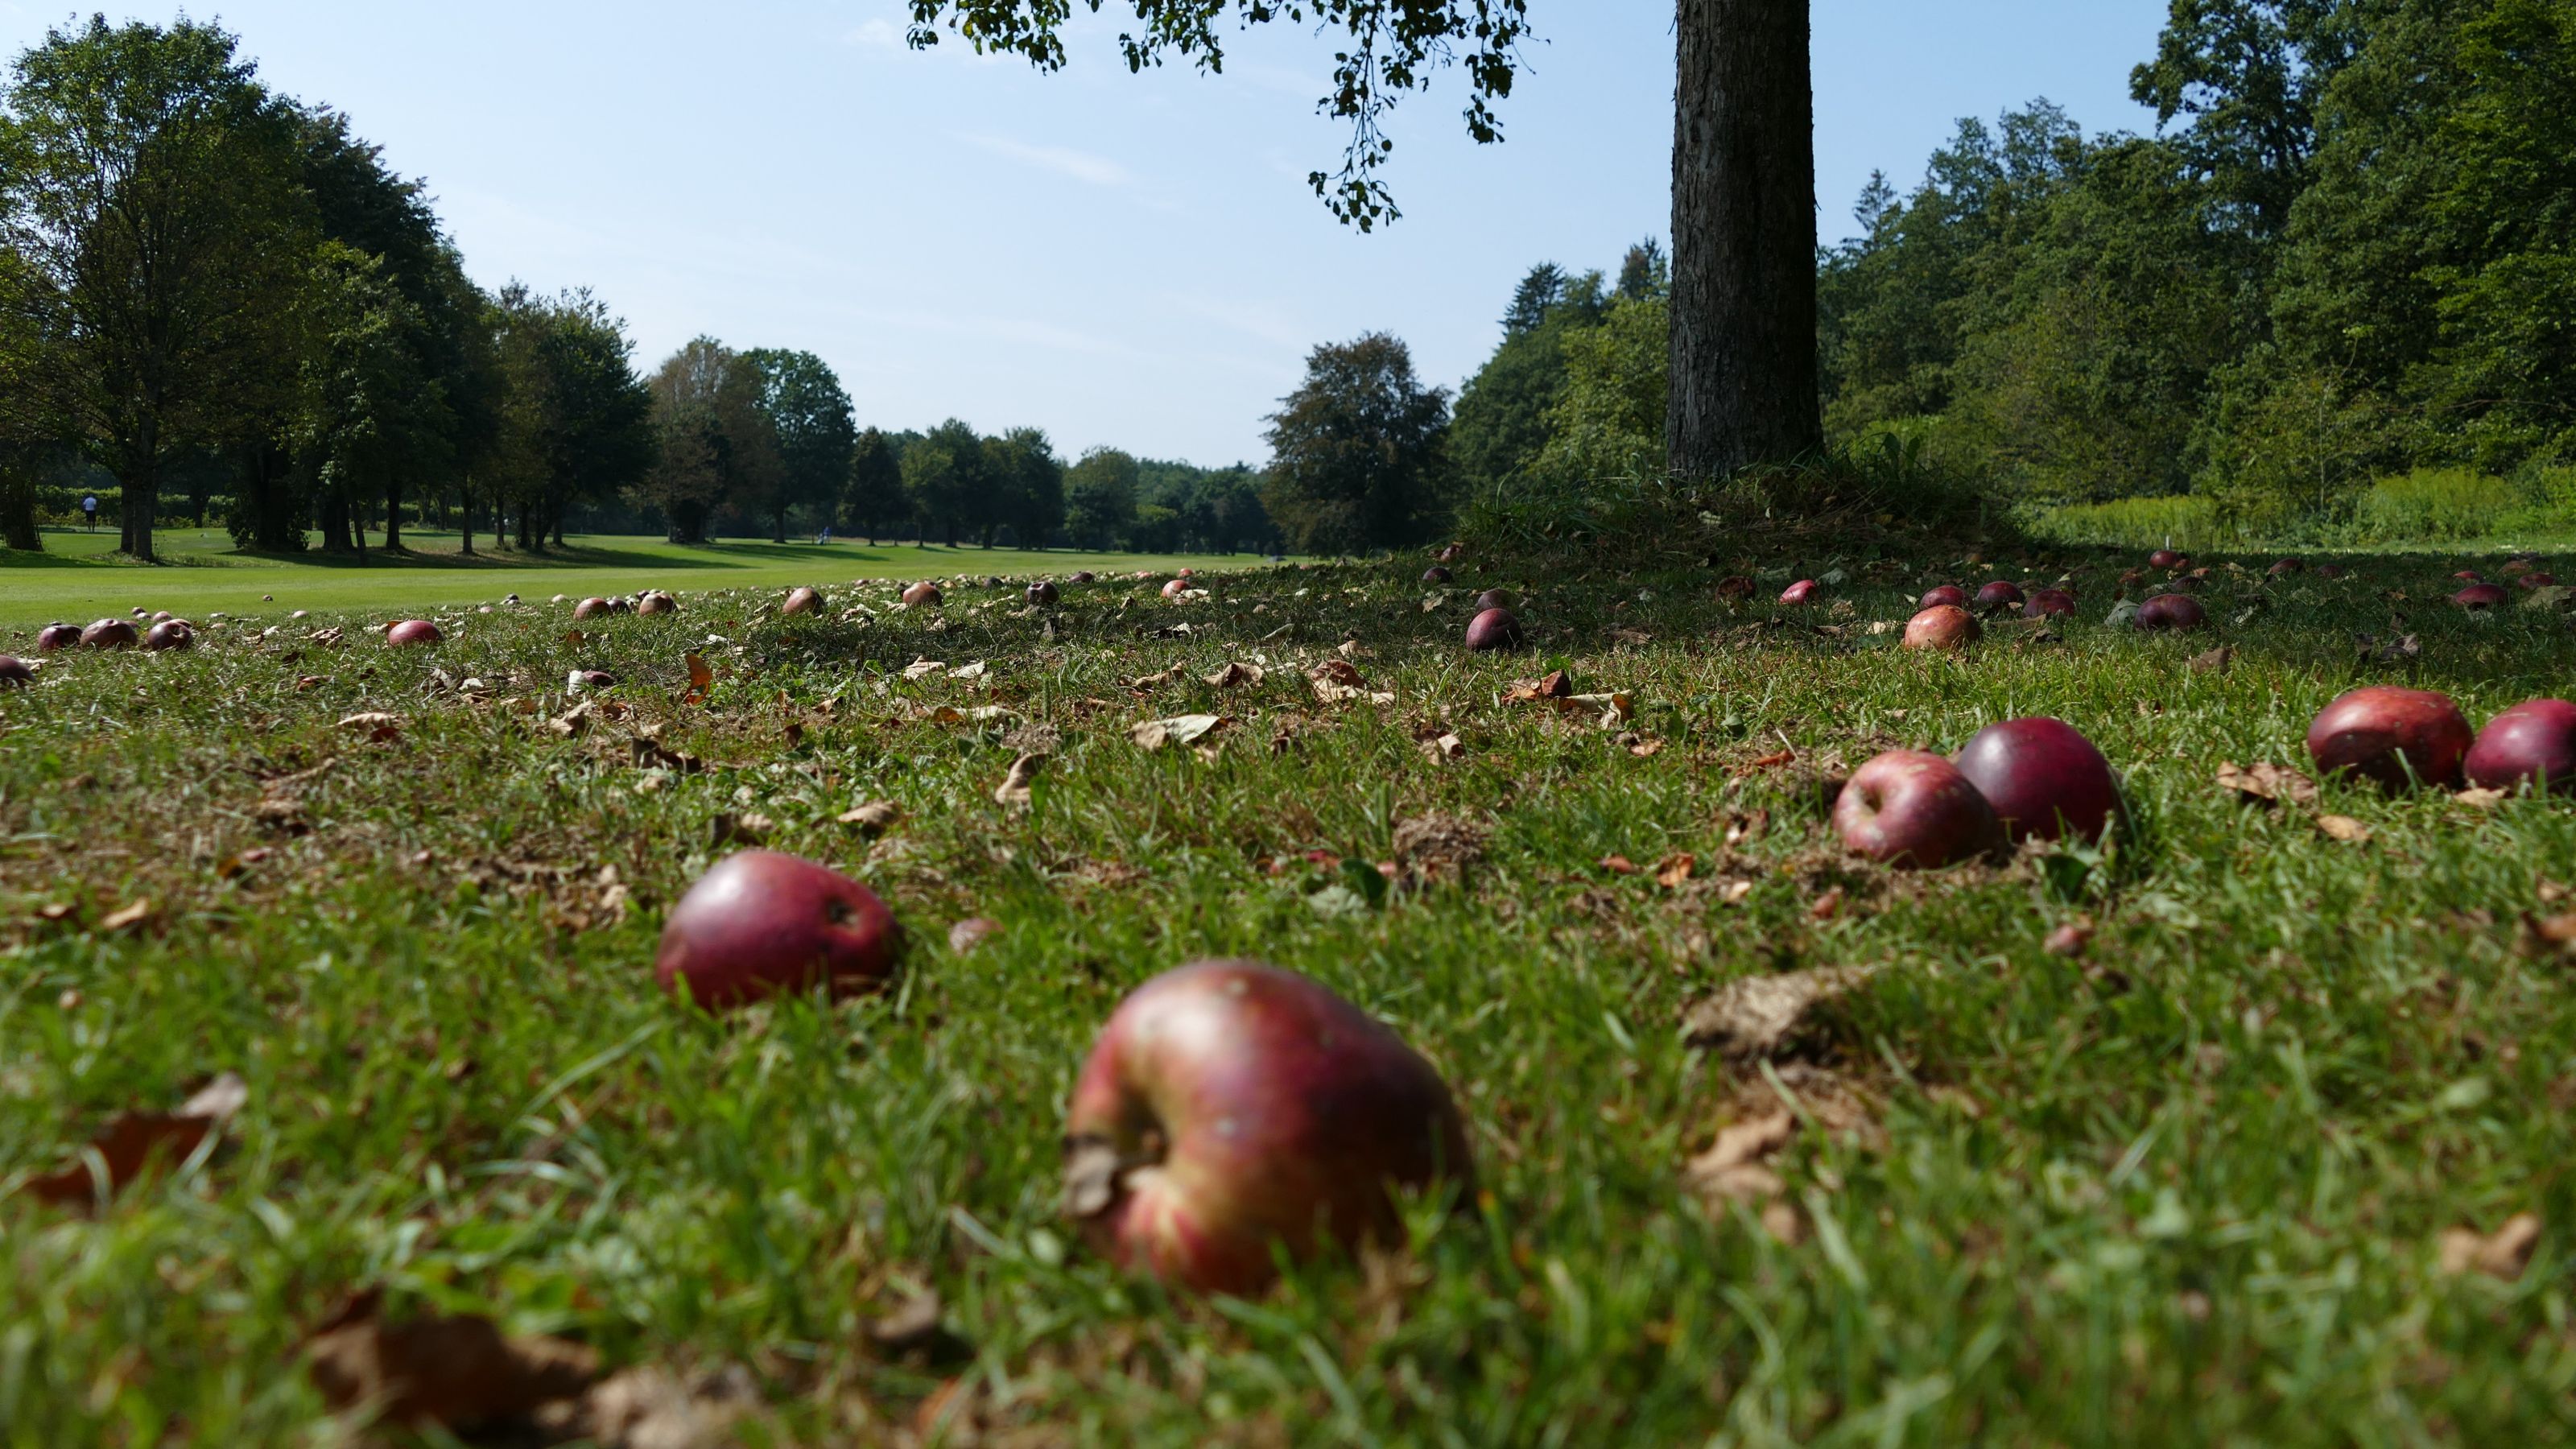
{"x":75,"y":580}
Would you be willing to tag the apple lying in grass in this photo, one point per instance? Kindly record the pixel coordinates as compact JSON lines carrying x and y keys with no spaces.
{"x":803,"y":600}
{"x":1943,"y":626}
{"x":2165,"y":558}
{"x":2537,"y":581}
{"x":2046,"y":602}
{"x":656,"y":601}
{"x":2469,"y":576}
{"x":1799,"y":592}
{"x":2393,"y":736}
{"x":1230,"y":1111}
{"x":55,"y":637}
{"x":1176,"y":588}
{"x":1084,"y":576}
{"x":922,"y":595}
{"x":2042,"y":778}
{"x":1494,"y":629}
{"x":413,"y":631}
{"x":2171,"y":611}
{"x":762,"y":922}
{"x":1909,"y":808}
{"x":1042,"y":593}
{"x":170,"y":634}
{"x":15,"y":673}
{"x":592,"y":608}
{"x":1497,"y":599}
{"x":1950,"y":594}
{"x":2283,"y":567}
{"x":2533,"y":743}
{"x":110,"y":634}
{"x":1999,"y":595}
{"x":1436,"y":575}
{"x":2481,"y":596}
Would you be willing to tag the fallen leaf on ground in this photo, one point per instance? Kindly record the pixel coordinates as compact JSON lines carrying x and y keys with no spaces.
{"x":136,"y":1141}
{"x":2345,"y":829}
{"x":649,"y":1407}
{"x":972,"y":932}
{"x":1735,"y":1168}
{"x":1014,"y":789}
{"x":914,"y":1325}
{"x":923,"y":668}
{"x":2480,"y":799}
{"x":1445,"y":747}
{"x":2268,"y":783}
{"x":701,"y":678}
{"x":874,"y":818}
{"x":453,"y":1372}
{"x":1235,"y":676}
{"x":1183,"y":729}
{"x":1674,"y":870}
{"x":1618,"y":865}
{"x":1757,"y":1015}
{"x":376,"y":725}
{"x":2213,"y":662}
{"x":2501,"y":1254}
{"x":126,"y":918}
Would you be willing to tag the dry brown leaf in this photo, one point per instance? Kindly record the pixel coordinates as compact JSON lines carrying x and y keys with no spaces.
{"x":1646,"y":749}
{"x":2344,"y":828}
{"x":702,"y":678}
{"x":2481,"y":799}
{"x":2267,"y":782}
{"x":453,"y":1372}
{"x":1445,"y":747}
{"x":649,"y":1407}
{"x":2213,"y":662}
{"x":1338,"y":671}
{"x":920,"y":669}
{"x":376,"y":725}
{"x":972,"y":932}
{"x":1186,"y":729}
{"x":2501,"y":1254}
{"x":875,"y":817}
{"x":1237,"y":676}
{"x":1014,"y":789}
{"x":126,"y":918}
{"x":1618,"y":865}
{"x":1675,"y":870}
{"x":1757,"y":1015}
{"x":136,"y":1142}
{"x":1735,"y":1168}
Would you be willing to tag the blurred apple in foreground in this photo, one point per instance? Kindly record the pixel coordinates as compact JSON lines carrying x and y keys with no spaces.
{"x":15,"y":672}
{"x":1230,"y":1110}
{"x":2391,"y":735}
{"x":57,"y":636}
{"x":413,"y":631}
{"x":1910,"y":808}
{"x":2532,"y":743}
{"x":762,"y":922}
{"x":2042,"y":778}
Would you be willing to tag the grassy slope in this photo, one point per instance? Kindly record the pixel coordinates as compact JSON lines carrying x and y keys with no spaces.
{"x":2185,"y":1191}
{"x":73,"y":579}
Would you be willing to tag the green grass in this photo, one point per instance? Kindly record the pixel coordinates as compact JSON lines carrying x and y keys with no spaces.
{"x":2186,"y":1189}
{"x":77,"y":580}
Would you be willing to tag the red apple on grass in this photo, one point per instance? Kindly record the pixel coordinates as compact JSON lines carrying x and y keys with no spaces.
{"x":803,"y":600}
{"x":170,"y":634}
{"x":762,"y":922}
{"x":1231,"y":1111}
{"x":1176,"y":588}
{"x":15,"y":672}
{"x":1943,"y":626}
{"x":1914,"y":809}
{"x":2391,"y":735}
{"x":53,"y":637}
{"x":1084,"y":576}
{"x":2046,"y":602}
{"x":923,"y":595}
{"x":1497,"y":599}
{"x":1950,"y":594}
{"x":2481,"y":596}
{"x":656,"y":601}
{"x":2468,"y":576}
{"x":593,"y":608}
{"x":2171,"y":611}
{"x":2537,"y":581}
{"x":2043,"y":779}
{"x":1494,"y":629}
{"x":1999,"y":595}
{"x":1436,"y":575}
{"x":2532,"y":743}
{"x":1042,"y":593}
{"x":110,"y":634}
{"x":1799,"y":592}
{"x":413,"y":631}
{"x":2165,"y":558}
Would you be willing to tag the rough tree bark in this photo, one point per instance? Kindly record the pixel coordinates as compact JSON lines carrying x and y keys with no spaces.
{"x":1744,"y":373}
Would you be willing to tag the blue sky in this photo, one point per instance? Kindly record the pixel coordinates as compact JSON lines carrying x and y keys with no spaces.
{"x":1124,"y":260}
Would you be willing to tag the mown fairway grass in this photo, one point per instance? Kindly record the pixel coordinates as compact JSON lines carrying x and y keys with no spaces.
{"x":74,"y":579}
{"x":2185,"y":1189}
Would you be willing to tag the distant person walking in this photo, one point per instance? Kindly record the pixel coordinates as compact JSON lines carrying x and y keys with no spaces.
{"x":824,"y":537}
{"x":89,"y":510}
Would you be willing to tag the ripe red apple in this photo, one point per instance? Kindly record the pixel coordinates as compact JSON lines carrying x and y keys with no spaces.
{"x":2285,"y":566}
{"x":413,"y":631}
{"x":2045,"y":602}
{"x":2165,"y":558}
{"x":2043,"y":779}
{"x":1950,"y":594}
{"x":762,"y":922}
{"x":2468,"y":576}
{"x":1436,"y":575}
{"x":1799,"y":592}
{"x":1914,"y":809}
{"x":1084,"y":576}
{"x":57,"y":636}
{"x":15,"y":672}
{"x":2382,"y":732}
{"x":1497,"y":599}
{"x":1943,"y":626}
{"x":593,"y":608}
{"x":2537,"y":581}
{"x":1042,"y":593}
{"x":1189,"y":573}
{"x":110,"y":634}
{"x":1735,"y":588}
{"x":170,"y":634}
{"x":1999,"y":595}
{"x":2532,"y":742}
{"x":656,"y":601}
{"x":1230,"y":1109}
{"x":1492,"y":630}
{"x":2172,"y":611}
{"x":802,"y":600}
{"x":923,"y":595}
{"x":2481,"y":596}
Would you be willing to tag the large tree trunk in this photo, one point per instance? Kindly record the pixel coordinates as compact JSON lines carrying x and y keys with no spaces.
{"x":333,"y":519}
{"x":393,"y":515}
{"x":465,"y":519}
{"x":1744,"y":239}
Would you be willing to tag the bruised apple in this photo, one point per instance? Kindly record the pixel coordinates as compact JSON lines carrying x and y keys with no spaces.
{"x":2391,"y":735}
{"x":1910,"y":808}
{"x":1043,"y":592}
{"x":413,"y":631}
{"x":2042,"y":778}
{"x":110,"y":634}
{"x":15,"y":673}
{"x":53,"y":637}
{"x":1231,"y":1111}
{"x":2533,"y":743}
{"x":1943,"y":626}
{"x":1492,"y":630}
{"x":762,"y":922}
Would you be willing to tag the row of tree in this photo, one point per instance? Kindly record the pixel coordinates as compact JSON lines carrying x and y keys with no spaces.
{"x":212,"y":296}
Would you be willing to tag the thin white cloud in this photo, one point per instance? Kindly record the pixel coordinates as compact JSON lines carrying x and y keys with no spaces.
{"x":1062,"y":160}
{"x":878,"y":34}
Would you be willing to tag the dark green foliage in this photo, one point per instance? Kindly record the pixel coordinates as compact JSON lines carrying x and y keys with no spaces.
{"x":1356,"y":459}
{"x":874,"y":500}
{"x":809,"y":416}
